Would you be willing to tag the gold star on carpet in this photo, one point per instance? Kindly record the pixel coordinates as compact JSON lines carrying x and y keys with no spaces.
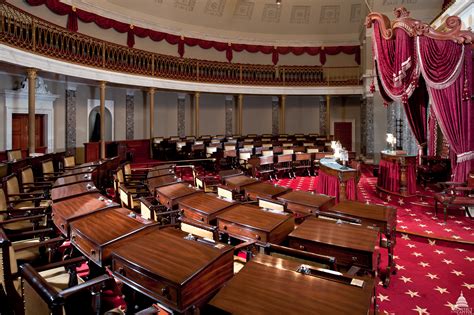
{"x":389,"y":198}
{"x":458,"y":222}
{"x":460,"y":250}
{"x":451,"y":305}
{"x":420,"y":310}
{"x":448,"y":230}
{"x":395,"y":257}
{"x":447,"y":261}
{"x":457,"y":273}
{"x":456,"y":237}
{"x":471,"y":259}
{"x":401,"y":202}
{"x":428,"y":232}
{"x":417,"y":254}
{"x":466,"y":228}
{"x":423,"y":264}
{"x":467,"y":285}
{"x":382,"y":297}
{"x":403,"y":227}
{"x":432,"y":242}
{"x":412,"y":293}
{"x":441,"y":290}
{"x":439,"y":252}
{"x":411,"y":245}
{"x":400,"y":267}
{"x":432,"y":276}
{"x":422,"y":225}
{"x":405,"y":237}
{"x":405,"y":279}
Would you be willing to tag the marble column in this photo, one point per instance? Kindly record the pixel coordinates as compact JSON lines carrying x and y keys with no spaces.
{"x":181,"y":115}
{"x":282,"y":113}
{"x":129,"y":114}
{"x":240,"y":104}
{"x":367,"y":127}
{"x":151,"y":103}
{"x":102,"y":119}
{"x":275,"y":115}
{"x":32,"y":73}
{"x":197,"y":96}
{"x":322,"y":115}
{"x":71,"y":104}
{"x":229,"y":114}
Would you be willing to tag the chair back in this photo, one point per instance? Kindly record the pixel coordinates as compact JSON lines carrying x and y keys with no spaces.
{"x":118,"y":179}
{"x":248,"y":146}
{"x":302,"y":156}
{"x":3,"y":201}
{"x":157,"y":140}
{"x":126,"y":199}
{"x":266,"y":159}
{"x":308,"y":144}
{"x":229,"y":146}
{"x":272,"y":205}
{"x":312,"y":150}
{"x":470,"y":179}
{"x":267,"y":152}
{"x":287,"y":144}
{"x":285,"y":158}
{"x":27,"y":176}
{"x":210,"y":151}
{"x":288,"y":151}
{"x":48,"y":168}
{"x":127,"y":169}
{"x":180,"y":145}
{"x":69,"y":161}
{"x":12,"y":185}
{"x":224,"y":193}
{"x":14,"y":155}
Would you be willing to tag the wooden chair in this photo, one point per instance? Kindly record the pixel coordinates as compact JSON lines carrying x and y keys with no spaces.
{"x":265,"y":167}
{"x":49,"y":174}
{"x":18,"y":197}
{"x":460,"y":195}
{"x":225,"y":192}
{"x":131,"y":176}
{"x":244,"y":156}
{"x":129,"y":197}
{"x":151,"y":209}
{"x":284,"y":164}
{"x":200,"y":229}
{"x":134,"y":189}
{"x":302,"y":163}
{"x":57,"y":290}
{"x":288,"y":151}
{"x":69,"y":162}
{"x":271,"y":205}
{"x":14,"y":155}
{"x":207,"y":183}
{"x":30,"y":184}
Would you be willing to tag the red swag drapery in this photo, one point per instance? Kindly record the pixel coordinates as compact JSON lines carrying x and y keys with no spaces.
{"x":87,"y":17}
{"x":407,"y":67}
{"x":329,"y":185}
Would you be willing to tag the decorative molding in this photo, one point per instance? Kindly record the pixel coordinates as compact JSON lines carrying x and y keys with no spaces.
{"x":229,"y":114}
{"x":187,"y":5}
{"x":130,"y":92}
{"x":71,"y":121}
{"x":330,"y":14}
{"x":275,"y":115}
{"x":214,"y":7}
{"x":271,"y":13}
{"x":300,"y":14}
{"x":130,"y":116}
{"x":244,"y":9}
{"x":181,"y":115}
{"x":418,"y":28}
{"x":355,"y":13}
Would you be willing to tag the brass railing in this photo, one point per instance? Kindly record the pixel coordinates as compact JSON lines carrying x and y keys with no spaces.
{"x":27,"y":32}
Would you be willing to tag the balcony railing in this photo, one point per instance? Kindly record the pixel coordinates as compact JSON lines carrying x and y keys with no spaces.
{"x":27,"y":32}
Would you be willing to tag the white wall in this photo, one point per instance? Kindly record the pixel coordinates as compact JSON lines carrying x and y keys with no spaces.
{"x":302,"y":114}
{"x":257,"y":114}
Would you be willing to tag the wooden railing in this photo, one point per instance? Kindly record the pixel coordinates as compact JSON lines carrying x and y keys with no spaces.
{"x":24,"y":31}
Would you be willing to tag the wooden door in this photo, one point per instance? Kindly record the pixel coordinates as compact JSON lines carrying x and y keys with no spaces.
{"x":343,"y":133}
{"x":20,"y":131}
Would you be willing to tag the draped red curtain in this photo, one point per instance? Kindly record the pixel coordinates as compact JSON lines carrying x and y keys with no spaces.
{"x":87,"y":17}
{"x":447,"y":68}
{"x":432,"y":133}
{"x":416,"y":111}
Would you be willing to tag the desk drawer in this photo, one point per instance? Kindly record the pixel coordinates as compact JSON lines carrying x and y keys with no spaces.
{"x":344,"y":256}
{"x":60,"y":223}
{"x":238,"y":230}
{"x":89,"y":249}
{"x":157,"y":288}
{"x":191,"y":214}
{"x":294,"y":207}
{"x":165,"y":201}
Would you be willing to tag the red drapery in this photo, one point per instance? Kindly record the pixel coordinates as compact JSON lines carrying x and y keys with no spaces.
{"x":329,"y":185}
{"x":432,"y":132}
{"x":389,"y":176}
{"x":87,"y":17}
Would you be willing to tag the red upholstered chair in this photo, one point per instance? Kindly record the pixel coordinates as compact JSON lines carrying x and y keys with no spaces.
{"x":459,"y":195}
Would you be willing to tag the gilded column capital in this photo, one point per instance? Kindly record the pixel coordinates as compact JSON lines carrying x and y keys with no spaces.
{"x":32,"y":73}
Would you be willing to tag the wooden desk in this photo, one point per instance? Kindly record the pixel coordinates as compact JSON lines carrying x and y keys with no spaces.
{"x":249,"y":222}
{"x":304,"y":203}
{"x":237,"y":183}
{"x":270,"y":285}
{"x":93,"y":234}
{"x":350,"y":244}
{"x":92,"y":164}
{"x":336,"y":180}
{"x":397,"y":173}
{"x":68,"y":180}
{"x":158,"y":181}
{"x":264,"y":190}
{"x":78,"y":171}
{"x":203,"y":207}
{"x":169,"y":195}
{"x":167,"y":267}
{"x":382,"y":217}
{"x":160,"y":172}
{"x":73,"y":190}
{"x":68,"y":210}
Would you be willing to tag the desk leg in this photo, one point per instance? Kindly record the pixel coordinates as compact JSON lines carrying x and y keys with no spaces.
{"x":403,"y":180}
{"x":342,"y":191}
{"x":391,"y":263}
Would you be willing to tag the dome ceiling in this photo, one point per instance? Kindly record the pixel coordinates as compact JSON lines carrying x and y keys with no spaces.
{"x":292,"y":23}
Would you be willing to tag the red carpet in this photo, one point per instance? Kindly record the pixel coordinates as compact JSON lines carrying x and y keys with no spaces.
{"x":432,"y":274}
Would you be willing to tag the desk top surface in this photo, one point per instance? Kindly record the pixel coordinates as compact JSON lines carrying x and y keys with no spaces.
{"x":205,"y":203}
{"x":363,"y":210}
{"x":78,"y":171}
{"x":81,"y":205}
{"x":167,"y":253}
{"x":66,"y":180}
{"x":254,"y":217}
{"x":270,"y":285}
{"x":72,"y":190}
{"x":340,"y":235}
{"x":239,"y":180}
{"x":176,"y":190}
{"x":331,"y":163}
{"x":305,"y":198}
{"x":161,"y":180}
{"x":97,"y":226}
{"x":266,"y":188}
{"x":396,"y":153}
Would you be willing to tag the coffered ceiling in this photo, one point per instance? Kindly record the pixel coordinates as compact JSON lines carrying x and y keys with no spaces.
{"x":293,"y":22}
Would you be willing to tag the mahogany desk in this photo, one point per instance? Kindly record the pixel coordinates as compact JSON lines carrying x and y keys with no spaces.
{"x":93,"y":234}
{"x":78,"y":171}
{"x":264,"y":190}
{"x":270,"y":285}
{"x":73,"y":190}
{"x":382,"y":217}
{"x":247,"y":222}
{"x":336,"y":180}
{"x":88,"y":164}
{"x":160,"y":172}
{"x":397,"y":173}
{"x":68,"y":210}
{"x":350,"y":244}
{"x":237,"y":183}
{"x":68,"y":180}
{"x":169,"y":195}
{"x":166,"y":266}
{"x":304,"y":203}
{"x":162,"y":180}
{"x":203,"y":207}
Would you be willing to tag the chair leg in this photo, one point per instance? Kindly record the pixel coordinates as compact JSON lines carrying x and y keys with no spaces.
{"x":445,"y":213}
